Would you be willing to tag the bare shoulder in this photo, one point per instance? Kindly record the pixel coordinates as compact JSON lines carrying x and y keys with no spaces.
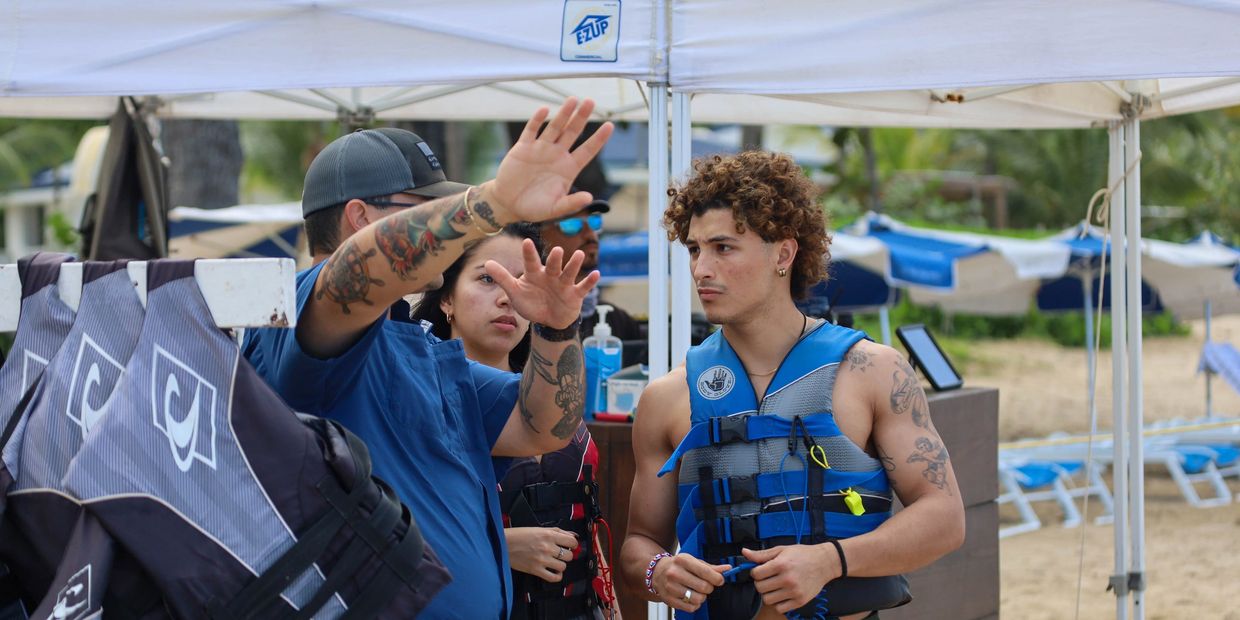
{"x":663,"y":410}
{"x":872,"y":362}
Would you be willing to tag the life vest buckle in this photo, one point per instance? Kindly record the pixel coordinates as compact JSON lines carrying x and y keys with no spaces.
{"x":729,"y":429}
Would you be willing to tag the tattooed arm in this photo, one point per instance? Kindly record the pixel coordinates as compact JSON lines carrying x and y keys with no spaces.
{"x":402,"y":253}
{"x":905,"y":440}
{"x":551,"y":398}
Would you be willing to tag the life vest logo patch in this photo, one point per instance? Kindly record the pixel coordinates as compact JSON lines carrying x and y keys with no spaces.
{"x":715,"y":382}
{"x":73,"y":600}
{"x":590,"y":31}
{"x":183,"y":404}
{"x":95,"y":375}
{"x":32,"y":365}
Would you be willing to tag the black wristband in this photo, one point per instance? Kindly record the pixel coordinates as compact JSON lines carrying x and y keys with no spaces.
{"x":843,"y":561}
{"x":551,"y":334}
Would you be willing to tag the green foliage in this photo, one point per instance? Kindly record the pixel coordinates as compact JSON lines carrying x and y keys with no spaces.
{"x":1190,"y":163}
{"x":63,"y":232}
{"x":28,"y":146}
{"x":1064,"y":328}
{"x":6,"y":345}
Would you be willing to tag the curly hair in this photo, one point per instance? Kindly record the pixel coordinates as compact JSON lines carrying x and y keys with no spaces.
{"x":767,"y":193}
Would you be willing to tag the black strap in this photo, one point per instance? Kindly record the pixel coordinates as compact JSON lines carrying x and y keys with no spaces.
{"x":260,"y":596}
{"x":385,"y":517}
{"x":551,"y":495}
{"x":372,"y":599}
{"x":817,"y":520}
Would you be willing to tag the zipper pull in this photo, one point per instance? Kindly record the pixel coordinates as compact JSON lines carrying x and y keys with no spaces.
{"x":852,"y":499}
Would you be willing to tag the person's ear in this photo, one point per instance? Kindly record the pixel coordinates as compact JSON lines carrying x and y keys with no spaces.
{"x":786,"y":253}
{"x":356,"y":216}
{"x":445,"y":305}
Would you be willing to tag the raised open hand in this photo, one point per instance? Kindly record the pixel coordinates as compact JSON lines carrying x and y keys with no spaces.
{"x":549,"y":295}
{"x":534,"y":177}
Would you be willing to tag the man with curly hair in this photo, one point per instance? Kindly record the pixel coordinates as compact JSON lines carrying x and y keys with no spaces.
{"x":772,"y":455}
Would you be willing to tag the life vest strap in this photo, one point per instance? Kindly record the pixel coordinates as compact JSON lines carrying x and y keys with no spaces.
{"x":722,"y":430}
{"x":372,"y":534}
{"x":552,"y":495}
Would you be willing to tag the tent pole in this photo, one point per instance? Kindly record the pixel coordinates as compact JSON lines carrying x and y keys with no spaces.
{"x":1209,"y":375}
{"x":884,"y":321}
{"x":682,"y":286}
{"x":1136,"y":412}
{"x":1119,"y":374}
{"x":657,"y":253}
{"x":1091,"y":360}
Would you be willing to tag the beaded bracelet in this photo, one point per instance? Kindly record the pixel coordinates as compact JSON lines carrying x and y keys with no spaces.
{"x":650,"y":571}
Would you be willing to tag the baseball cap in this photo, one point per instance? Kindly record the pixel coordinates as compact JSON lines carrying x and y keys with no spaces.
{"x":598,"y":205}
{"x":374,"y":162}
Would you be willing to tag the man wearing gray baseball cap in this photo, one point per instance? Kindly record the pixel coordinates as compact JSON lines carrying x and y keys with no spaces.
{"x":384,"y":222}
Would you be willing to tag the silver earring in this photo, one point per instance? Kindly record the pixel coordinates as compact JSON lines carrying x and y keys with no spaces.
{"x":449,"y":317}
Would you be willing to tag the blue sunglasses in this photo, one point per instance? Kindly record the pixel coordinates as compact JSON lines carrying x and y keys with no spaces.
{"x":573,"y":225}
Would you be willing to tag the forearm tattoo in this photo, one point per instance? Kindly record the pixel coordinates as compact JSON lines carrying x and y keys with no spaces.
{"x":934,"y":455}
{"x":566,"y":376}
{"x":407,"y":239}
{"x":484,"y":211}
{"x":908,"y":397}
{"x":346,"y":278}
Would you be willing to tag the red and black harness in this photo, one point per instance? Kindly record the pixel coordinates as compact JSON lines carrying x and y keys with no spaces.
{"x":560,"y":491}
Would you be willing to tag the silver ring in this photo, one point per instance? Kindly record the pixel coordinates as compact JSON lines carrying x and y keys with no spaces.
{"x":559,"y":552}
{"x":688,"y":595}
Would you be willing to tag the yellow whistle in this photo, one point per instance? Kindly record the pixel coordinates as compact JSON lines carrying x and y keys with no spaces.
{"x":852,"y":499}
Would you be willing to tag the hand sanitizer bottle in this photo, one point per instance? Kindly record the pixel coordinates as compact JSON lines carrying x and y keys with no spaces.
{"x":603,"y":355}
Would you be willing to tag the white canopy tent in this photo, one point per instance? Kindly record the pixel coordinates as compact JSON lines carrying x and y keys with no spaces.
{"x":917,"y":63}
{"x":309,"y":59}
{"x":988,"y":64}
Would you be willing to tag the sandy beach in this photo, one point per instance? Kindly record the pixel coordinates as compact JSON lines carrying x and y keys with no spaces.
{"x":1193,"y":555}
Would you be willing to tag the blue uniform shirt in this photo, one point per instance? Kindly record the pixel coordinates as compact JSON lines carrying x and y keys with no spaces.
{"x":429,"y":418}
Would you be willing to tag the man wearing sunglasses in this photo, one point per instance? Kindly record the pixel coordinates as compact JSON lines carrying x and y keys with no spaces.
{"x":580,"y":231}
{"x":383,"y":222}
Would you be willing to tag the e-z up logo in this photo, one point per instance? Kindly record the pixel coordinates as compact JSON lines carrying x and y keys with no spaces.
{"x":590,"y":31}
{"x":591,"y":28}
{"x":95,"y":376}
{"x":73,"y":600}
{"x":183,"y":404}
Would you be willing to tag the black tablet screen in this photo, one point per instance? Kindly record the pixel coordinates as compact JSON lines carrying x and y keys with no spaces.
{"x":929,"y":357}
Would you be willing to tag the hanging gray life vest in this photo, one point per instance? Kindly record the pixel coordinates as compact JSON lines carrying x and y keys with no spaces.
{"x":235,"y":506}
{"x":749,"y":474}
{"x":42,"y":325}
{"x":70,"y":400}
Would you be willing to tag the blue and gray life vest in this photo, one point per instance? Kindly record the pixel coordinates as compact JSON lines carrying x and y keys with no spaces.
{"x":762,"y":474}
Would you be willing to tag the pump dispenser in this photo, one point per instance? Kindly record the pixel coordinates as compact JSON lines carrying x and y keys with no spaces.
{"x":603,"y":353}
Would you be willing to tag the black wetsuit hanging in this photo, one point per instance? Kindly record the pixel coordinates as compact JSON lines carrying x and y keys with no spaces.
{"x":557,"y":491}
{"x":235,"y":506}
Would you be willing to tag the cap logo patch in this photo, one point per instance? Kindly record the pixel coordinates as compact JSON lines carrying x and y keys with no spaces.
{"x":430,"y":156}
